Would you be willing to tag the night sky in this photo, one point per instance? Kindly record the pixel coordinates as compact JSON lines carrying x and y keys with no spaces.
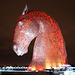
{"x":63,"y":11}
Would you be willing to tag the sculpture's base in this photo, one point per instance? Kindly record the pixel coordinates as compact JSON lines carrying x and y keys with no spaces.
{"x":23,"y":71}
{"x":28,"y":73}
{"x":37,"y":73}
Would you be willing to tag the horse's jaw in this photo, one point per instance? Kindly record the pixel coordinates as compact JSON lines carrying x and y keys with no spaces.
{"x":20,"y":51}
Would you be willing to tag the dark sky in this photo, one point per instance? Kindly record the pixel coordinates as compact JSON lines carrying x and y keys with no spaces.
{"x":63,"y":11}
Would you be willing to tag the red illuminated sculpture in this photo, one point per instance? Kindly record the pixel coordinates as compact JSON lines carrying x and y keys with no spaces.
{"x":49,"y":48}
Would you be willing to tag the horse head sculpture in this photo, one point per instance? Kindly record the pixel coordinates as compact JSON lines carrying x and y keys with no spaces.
{"x":49,"y":48}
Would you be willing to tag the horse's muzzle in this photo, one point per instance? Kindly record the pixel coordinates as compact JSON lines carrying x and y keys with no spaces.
{"x":19,"y":51}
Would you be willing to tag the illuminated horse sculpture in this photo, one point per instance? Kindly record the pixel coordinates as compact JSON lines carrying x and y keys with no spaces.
{"x":49,"y":48}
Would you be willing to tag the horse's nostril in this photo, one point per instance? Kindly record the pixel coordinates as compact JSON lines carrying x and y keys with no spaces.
{"x":16,"y":50}
{"x":15,"y":47}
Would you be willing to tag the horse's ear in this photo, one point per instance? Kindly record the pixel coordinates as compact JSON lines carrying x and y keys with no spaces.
{"x":25,"y":10}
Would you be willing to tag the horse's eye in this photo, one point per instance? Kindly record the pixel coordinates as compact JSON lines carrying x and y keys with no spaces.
{"x":20,"y":23}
